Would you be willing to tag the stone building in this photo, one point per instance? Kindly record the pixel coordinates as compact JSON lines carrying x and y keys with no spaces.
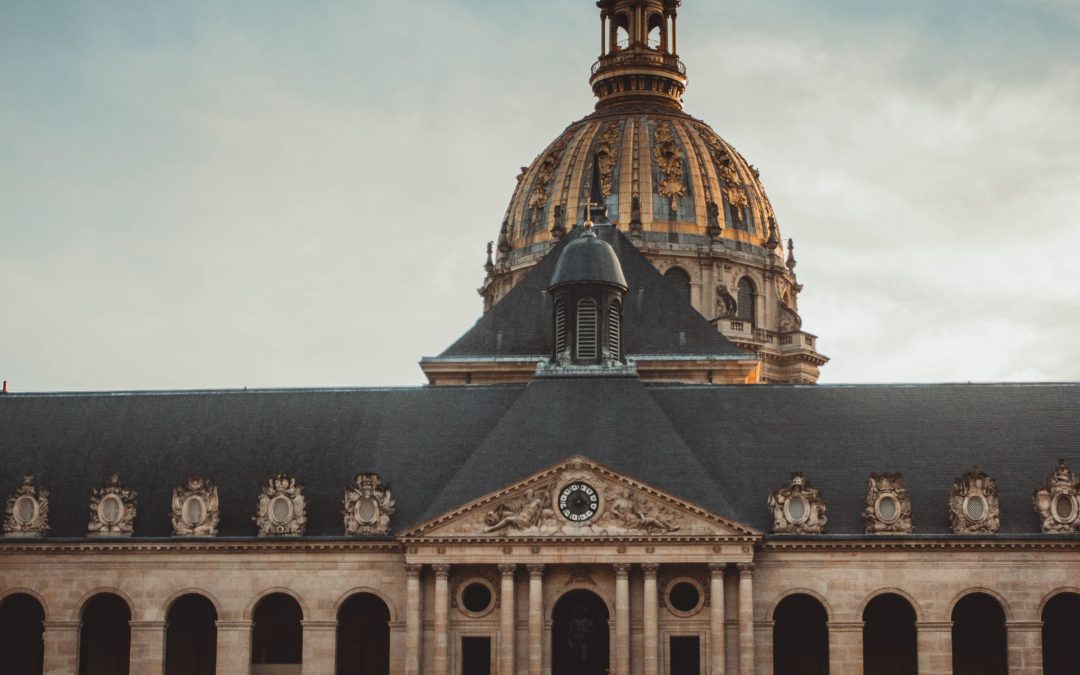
{"x":573,"y":494}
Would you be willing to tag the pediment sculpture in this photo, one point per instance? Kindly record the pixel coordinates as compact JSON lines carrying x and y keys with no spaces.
{"x":282,"y":508}
{"x":798,"y":508}
{"x":368,"y":506}
{"x":112,"y":510}
{"x":195,"y":510}
{"x":1057,"y":501}
{"x":888,"y":507}
{"x":973,"y":504}
{"x":27,"y":513}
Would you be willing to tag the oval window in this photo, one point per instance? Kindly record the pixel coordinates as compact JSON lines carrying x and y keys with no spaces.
{"x":888,"y":508}
{"x":1064,"y":509}
{"x":25,"y":510}
{"x":281,"y":510}
{"x":194,"y":510}
{"x":975,"y":507}
{"x":110,"y":510}
{"x":367,"y":510}
{"x":797,"y":508}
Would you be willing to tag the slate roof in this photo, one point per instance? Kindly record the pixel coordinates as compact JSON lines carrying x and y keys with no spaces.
{"x":722,"y":447}
{"x":656,"y":318}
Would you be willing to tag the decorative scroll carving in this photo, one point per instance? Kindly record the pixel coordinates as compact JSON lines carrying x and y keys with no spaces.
{"x":545,"y":174}
{"x":607,"y":156}
{"x":725,"y":169}
{"x":726,"y":307}
{"x":798,"y":508}
{"x":282,"y":507}
{"x":521,"y":513}
{"x":368,"y":505}
{"x":789,"y":320}
{"x":888,"y":507}
{"x":973,"y":504}
{"x":635,"y":514}
{"x":1058,"y":501}
{"x":27,"y":513}
{"x":195,"y":511}
{"x":668,"y":159}
{"x":112,"y":510}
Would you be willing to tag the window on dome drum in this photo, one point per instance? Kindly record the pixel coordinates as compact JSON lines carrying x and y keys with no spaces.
{"x":614,"y":329}
{"x":747,"y":295}
{"x":191,"y":637}
{"x":656,"y":28}
{"x":560,"y":327}
{"x":679,"y":279}
{"x":978,"y":636}
{"x":800,"y":637}
{"x":105,"y":637}
{"x":622,"y":31}
{"x":889,"y":640}
{"x":475,"y":656}
{"x":277,"y":638}
{"x":586,"y":328}
{"x":21,"y":645}
{"x":1061,"y":625}
{"x":685,"y":653}
{"x":363,"y":636}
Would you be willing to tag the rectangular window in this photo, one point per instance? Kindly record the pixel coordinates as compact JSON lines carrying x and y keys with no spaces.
{"x":475,"y":656}
{"x":685,"y":654}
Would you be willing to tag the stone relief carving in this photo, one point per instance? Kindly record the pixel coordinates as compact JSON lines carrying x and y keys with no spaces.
{"x":282,"y":507}
{"x":195,"y":511}
{"x":522,"y":513}
{"x":789,"y":320}
{"x":973,"y":504}
{"x":1057,"y":501}
{"x":545,"y":173}
{"x":635,"y":514}
{"x":607,"y":156}
{"x":27,"y":513}
{"x":798,"y":508}
{"x":888,"y":507}
{"x":368,"y":505}
{"x":668,"y":159}
{"x":112,"y":510}
{"x":725,"y":169}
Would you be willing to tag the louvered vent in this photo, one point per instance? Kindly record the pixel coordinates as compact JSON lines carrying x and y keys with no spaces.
{"x":560,"y":328}
{"x":586,"y":329}
{"x":614,"y":330}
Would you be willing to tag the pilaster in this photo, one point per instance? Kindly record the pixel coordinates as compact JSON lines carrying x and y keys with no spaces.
{"x":61,"y":647}
{"x":147,"y":647}
{"x":1024,"y":647}
{"x":935,"y":647}
{"x":320,"y":647}
{"x":233,"y":646}
{"x":846,"y":648}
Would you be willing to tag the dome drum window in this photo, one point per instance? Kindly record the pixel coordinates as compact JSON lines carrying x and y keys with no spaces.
{"x":798,"y":508}
{"x":684,"y":596}
{"x":1057,"y":501}
{"x":195,"y":511}
{"x":888,"y":507}
{"x":282,"y":507}
{"x":973,"y":504}
{"x":476,"y":597}
{"x":27,"y":513}
{"x":112,"y":510}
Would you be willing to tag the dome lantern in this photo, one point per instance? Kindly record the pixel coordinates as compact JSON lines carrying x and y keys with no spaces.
{"x":638,"y":59}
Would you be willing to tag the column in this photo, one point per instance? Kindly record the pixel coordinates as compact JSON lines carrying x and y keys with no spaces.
{"x":233,"y":646}
{"x":716,"y":619}
{"x":61,"y":647}
{"x":674,"y":35}
{"x":746,"y":618}
{"x":536,"y":619}
{"x":651,"y":620}
{"x":320,"y":647}
{"x":763,"y":646}
{"x":441,"y":661}
{"x":845,"y":648}
{"x":147,"y":647}
{"x":603,"y":30}
{"x":622,"y":619}
{"x":1025,"y":647}
{"x":935,"y":647}
{"x":413,"y":626}
{"x":506,"y":615}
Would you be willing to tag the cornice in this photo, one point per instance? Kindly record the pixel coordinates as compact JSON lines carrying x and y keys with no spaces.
{"x":951,"y":543}
{"x":203,"y":546}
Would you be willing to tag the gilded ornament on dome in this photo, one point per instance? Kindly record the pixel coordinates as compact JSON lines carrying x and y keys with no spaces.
{"x":668,"y":159}
{"x":27,"y":513}
{"x":607,"y":156}
{"x":368,"y":505}
{"x":725,"y":168}
{"x":545,"y":174}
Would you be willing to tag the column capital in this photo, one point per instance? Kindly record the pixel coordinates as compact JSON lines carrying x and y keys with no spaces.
{"x":442,"y":570}
{"x":650,"y":569}
{"x":413,"y":569}
{"x":536,"y":570}
{"x":507,"y":569}
{"x":745,"y":569}
{"x":622,"y":569}
{"x":717,"y":570}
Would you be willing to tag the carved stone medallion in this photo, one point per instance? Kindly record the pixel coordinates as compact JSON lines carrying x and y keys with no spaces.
{"x":888,"y":507}
{"x":282,"y":507}
{"x":27,"y":513}
{"x":1058,"y":501}
{"x":368,"y":506}
{"x":112,"y":510}
{"x":195,"y":511}
{"x":973,"y":504}
{"x":798,"y":508}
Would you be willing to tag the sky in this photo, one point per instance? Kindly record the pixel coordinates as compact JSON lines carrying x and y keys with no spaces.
{"x":260,"y":193}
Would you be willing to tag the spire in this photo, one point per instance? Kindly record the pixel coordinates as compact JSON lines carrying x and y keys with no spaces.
{"x":773,"y":241}
{"x":791,"y":254}
{"x":638,"y":53}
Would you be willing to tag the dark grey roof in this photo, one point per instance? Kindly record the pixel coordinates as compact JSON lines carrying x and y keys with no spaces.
{"x":588,"y":259}
{"x":722,"y":447}
{"x":656,"y":317}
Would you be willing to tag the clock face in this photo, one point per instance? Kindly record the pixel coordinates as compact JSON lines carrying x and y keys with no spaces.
{"x":578,"y":502}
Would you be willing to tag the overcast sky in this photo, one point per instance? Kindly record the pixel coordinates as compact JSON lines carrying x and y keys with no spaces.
{"x":262,"y":194}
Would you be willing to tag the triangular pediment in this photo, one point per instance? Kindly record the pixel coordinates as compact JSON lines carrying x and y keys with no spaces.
{"x":578,"y":498}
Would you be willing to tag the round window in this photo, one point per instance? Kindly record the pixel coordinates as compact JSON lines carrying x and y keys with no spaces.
{"x":194,"y":510}
{"x":975,"y":507}
{"x":26,"y":509}
{"x":684,"y":597}
{"x":798,"y":509}
{"x":476,"y":597}
{"x":1064,"y":509}
{"x":281,"y":510}
{"x":888,"y":508}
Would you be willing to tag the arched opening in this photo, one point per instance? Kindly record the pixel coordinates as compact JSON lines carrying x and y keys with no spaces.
{"x":622,"y":32}
{"x":1061,"y":626}
{"x":105,"y":639}
{"x":277,"y":638}
{"x":679,"y":279}
{"x":978,"y":636}
{"x":747,"y":300}
{"x":657,"y":39}
{"x":585,"y":331}
{"x":800,"y":637}
{"x":363,"y":636}
{"x":21,"y":646}
{"x":889,"y":641}
{"x":579,"y":635}
{"x":191,"y":637}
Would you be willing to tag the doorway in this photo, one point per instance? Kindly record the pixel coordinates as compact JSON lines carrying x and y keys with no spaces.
{"x":685,"y":653}
{"x":580,"y":635}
